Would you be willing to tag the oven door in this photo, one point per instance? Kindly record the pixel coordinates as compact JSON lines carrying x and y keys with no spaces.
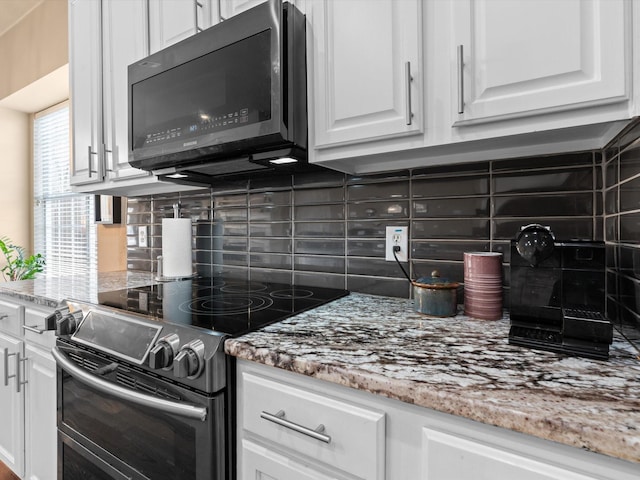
{"x":117,"y":422}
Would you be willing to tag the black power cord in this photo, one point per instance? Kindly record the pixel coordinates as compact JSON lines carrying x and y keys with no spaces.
{"x":396,"y":248}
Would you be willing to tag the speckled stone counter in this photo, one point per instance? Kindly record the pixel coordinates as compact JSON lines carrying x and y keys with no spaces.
{"x":50,"y":291}
{"x":460,"y":366}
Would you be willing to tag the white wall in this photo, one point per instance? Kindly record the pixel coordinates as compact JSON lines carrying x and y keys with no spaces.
{"x":15,"y":178}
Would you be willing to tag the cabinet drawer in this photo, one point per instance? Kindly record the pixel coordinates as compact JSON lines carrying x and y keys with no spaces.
{"x":11,"y":318}
{"x":355,"y":440}
{"x":34,"y":323}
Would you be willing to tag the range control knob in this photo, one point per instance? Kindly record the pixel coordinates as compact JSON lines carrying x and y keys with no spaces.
{"x":163,"y":352}
{"x":67,"y":324}
{"x":189,"y":362}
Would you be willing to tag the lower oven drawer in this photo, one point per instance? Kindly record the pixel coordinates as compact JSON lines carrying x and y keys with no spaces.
{"x":140,"y":440}
{"x":80,"y":463}
{"x":352,"y":438}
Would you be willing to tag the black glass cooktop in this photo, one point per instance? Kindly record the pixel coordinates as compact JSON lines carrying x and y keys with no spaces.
{"x":228,"y":306}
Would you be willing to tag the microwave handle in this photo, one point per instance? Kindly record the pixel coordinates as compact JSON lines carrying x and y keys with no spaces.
{"x":177,"y":408}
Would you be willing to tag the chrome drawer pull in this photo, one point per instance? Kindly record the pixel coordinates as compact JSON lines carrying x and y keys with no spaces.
{"x":460,"y":79}
{"x":408,"y":78}
{"x":33,"y":329}
{"x":3,"y":316}
{"x":279,"y":419}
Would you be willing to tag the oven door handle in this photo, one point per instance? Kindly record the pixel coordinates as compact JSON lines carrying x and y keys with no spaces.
{"x":177,"y":408}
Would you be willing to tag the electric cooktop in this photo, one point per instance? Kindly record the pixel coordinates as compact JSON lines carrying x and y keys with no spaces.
{"x":228,"y":306}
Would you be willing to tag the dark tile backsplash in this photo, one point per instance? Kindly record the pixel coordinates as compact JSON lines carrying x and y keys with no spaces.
{"x":622,"y":230}
{"x":327,"y":229}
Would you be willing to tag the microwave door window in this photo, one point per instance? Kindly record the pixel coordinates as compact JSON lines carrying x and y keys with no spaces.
{"x":215,"y":93}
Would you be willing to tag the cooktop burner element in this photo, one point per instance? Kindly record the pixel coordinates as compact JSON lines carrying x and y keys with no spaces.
{"x":227,"y":306}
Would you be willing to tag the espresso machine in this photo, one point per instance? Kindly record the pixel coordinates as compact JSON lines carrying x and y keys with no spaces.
{"x":558,"y":294}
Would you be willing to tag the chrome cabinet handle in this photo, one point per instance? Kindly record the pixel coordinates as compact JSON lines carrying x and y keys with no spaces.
{"x":16,"y":375}
{"x":408,"y":79}
{"x":3,"y":316}
{"x":6,"y":366}
{"x":196,"y":5}
{"x":33,"y":329}
{"x":176,"y":408}
{"x":460,"y":79}
{"x":91,"y":170}
{"x":105,"y":150}
{"x":278,"y":418}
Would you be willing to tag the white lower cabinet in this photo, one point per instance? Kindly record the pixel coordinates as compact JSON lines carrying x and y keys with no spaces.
{"x":28,"y":444}
{"x":261,"y":463}
{"x":40,"y":414}
{"x":300,"y":431}
{"x":11,"y":405}
{"x":374,"y":437}
{"x":447,"y":456}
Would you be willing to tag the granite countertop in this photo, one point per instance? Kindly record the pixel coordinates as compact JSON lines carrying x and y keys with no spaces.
{"x":460,"y":366}
{"x":50,"y":291}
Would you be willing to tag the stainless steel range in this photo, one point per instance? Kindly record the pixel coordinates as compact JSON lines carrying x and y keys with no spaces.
{"x":144,"y":387}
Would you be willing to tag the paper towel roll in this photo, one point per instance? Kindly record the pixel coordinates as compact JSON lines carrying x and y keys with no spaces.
{"x":176,"y":247}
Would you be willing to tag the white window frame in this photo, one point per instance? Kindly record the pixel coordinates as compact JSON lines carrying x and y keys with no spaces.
{"x":64,"y":230}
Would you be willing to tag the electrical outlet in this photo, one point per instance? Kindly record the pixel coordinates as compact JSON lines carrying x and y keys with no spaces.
{"x":397,"y":237}
{"x":142,"y":236}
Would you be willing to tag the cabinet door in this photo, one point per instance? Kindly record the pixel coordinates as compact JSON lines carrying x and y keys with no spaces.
{"x":11,"y":405}
{"x":40,"y":414}
{"x":125,"y":40}
{"x":229,"y":8}
{"x":366,"y":70}
{"x":173,"y":20}
{"x":85,"y":72}
{"x":260,"y":463}
{"x":525,"y":58}
{"x":449,"y":457}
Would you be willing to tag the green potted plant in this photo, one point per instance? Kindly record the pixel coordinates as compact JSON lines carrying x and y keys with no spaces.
{"x":19,"y":267}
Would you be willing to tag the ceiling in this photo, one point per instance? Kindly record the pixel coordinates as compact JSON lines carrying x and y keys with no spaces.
{"x":12,"y":11}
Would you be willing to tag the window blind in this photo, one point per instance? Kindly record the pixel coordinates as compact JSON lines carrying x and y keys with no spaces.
{"x":64,"y":231}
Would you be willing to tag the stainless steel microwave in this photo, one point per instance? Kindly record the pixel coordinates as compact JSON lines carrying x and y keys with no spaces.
{"x":227,"y":102}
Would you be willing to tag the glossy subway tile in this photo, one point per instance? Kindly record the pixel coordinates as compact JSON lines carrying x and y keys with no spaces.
{"x":323,"y":246}
{"x":378,"y":191}
{"x":477,"y":229}
{"x":372,"y":228}
{"x":449,"y":187}
{"x":312,"y":196}
{"x":450,"y":250}
{"x":572,"y":228}
{"x":451,"y":207}
{"x":396,"y":209}
{"x":319,"y":263}
{"x":546,"y":181}
{"x":566,"y":205}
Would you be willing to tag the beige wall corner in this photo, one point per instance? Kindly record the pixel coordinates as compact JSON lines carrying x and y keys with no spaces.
{"x":15,"y":181}
{"x":112,"y":248}
{"x":34,"y":47}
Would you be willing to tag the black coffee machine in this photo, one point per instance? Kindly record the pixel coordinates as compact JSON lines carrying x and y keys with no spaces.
{"x":558,"y":294}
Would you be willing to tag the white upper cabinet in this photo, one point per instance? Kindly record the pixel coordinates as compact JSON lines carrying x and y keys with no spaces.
{"x":125,"y":40}
{"x":105,"y":38}
{"x":229,"y":8}
{"x":173,"y":20}
{"x":524,"y":58}
{"x":86,"y":91}
{"x":366,"y":70}
{"x":490,"y":79}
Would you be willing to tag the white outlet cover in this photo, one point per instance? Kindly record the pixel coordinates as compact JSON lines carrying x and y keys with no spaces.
{"x":142,"y":236}
{"x":402,"y":236}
